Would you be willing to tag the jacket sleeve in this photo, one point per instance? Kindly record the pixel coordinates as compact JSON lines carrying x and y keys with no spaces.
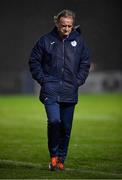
{"x":84,"y":65}
{"x":35,"y":62}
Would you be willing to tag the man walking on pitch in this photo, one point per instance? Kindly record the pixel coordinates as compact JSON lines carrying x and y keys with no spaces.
{"x":60,"y":63}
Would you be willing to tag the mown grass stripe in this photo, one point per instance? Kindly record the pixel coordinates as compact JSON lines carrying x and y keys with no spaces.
{"x":39,"y":166}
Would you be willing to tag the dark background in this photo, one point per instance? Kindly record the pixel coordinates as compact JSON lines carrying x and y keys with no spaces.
{"x":23,"y":22}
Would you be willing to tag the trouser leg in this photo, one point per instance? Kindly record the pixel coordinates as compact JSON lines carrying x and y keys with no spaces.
{"x":53,"y":126}
{"x":66,"y":114}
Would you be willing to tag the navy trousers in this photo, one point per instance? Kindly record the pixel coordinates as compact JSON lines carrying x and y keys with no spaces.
{"x":60,"y":117}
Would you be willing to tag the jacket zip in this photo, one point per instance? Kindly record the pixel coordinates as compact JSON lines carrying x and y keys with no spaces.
{"x":62,"y":70}
{"x":63,"y":55}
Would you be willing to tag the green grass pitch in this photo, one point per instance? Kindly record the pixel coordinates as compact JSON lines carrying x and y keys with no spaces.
{"x":95,"y":149}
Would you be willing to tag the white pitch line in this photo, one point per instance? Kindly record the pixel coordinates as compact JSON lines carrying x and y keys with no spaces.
{"x":20,"y":163}
{"x":93,"y":171}
{"x":38,"y":165}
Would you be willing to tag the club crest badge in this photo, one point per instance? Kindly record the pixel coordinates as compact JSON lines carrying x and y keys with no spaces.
{"x":74,"y":43}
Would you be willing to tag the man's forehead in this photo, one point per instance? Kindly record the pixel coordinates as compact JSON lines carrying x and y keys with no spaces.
{"x":64,"y":20}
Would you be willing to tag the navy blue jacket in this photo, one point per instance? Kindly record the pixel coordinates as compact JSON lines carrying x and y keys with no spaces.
{"x":60,"y":66}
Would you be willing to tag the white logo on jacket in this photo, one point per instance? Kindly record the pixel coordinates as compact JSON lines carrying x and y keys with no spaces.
{"x":52,"y":43}
{"x":74,"y":43}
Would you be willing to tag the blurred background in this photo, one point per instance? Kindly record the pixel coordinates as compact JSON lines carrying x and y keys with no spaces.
{"x":23,"y":22}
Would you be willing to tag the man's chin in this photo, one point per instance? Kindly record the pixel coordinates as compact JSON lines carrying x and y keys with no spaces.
{"x":65,"y":34}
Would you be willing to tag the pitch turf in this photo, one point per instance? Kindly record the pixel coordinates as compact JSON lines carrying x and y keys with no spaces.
{"x":95,"y":149}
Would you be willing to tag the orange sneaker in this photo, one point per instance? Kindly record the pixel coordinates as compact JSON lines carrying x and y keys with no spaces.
{"x":53,"y":163}
{"x":60,"y":165}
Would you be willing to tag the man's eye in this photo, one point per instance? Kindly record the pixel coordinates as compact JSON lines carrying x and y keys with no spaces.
{"x":67,"y":26}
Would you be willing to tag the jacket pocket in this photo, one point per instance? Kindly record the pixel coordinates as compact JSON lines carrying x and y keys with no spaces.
{"x":76,"y":82}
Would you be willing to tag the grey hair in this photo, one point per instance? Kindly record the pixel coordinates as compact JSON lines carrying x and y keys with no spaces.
{"x":64,"y":13}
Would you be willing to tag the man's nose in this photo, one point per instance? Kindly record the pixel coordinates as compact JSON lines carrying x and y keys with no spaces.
{"x":67,"y":28}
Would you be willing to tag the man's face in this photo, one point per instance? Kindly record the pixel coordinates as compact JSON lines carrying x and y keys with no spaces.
{"x":65,"y":25}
